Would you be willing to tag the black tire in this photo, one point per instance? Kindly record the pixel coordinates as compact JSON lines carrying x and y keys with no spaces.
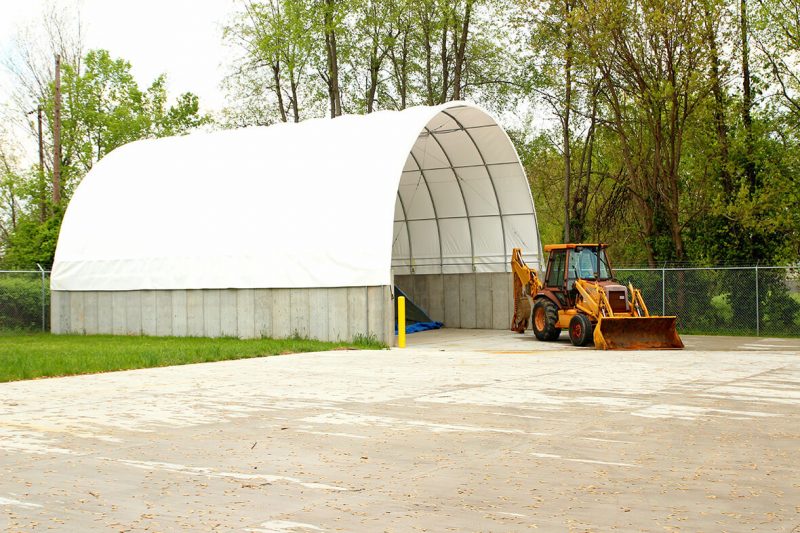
{"x":580,"y":330}
{"x":545,"y":319}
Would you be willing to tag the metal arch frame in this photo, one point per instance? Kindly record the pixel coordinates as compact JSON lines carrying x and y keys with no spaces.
{"x":408,"y":231}
{"x":463,"y":199}
{"x":433,"y":206}
{"x":491,"y":180}
{"x":454,"y":169}
{"x":470,"y":127}
{"x":429,"y":219}
{"x":467,"y":166}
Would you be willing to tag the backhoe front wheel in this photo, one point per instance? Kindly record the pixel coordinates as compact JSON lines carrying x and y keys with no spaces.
{"x":580,"y":330}
{"x":545,"y":319}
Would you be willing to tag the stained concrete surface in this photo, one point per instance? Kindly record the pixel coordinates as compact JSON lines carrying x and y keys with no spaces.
{"x":463,"y":431}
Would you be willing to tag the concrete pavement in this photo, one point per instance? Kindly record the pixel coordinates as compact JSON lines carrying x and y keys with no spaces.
{"x":466,"y":430}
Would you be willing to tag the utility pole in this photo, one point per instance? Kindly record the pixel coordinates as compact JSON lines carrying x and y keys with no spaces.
{"x":41,"y":145}
{"x":42,"y":188}
{"x":57,"y":136}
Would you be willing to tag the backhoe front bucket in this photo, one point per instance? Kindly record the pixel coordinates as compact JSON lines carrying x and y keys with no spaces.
{"x":637,"y":333}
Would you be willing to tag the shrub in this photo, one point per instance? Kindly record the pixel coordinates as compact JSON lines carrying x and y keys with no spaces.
{"x":21,"y":302}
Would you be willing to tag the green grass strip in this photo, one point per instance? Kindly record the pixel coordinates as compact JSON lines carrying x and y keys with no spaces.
{"x":37,"y":355}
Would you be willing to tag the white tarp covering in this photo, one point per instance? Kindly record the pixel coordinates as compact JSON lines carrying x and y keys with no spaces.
{"x":322,"y":203}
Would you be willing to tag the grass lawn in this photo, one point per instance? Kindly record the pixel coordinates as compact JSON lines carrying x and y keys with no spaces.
{"x":35,"y":355}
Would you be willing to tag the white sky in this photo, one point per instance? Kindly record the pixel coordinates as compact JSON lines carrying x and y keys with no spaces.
{"x":181,"y":38}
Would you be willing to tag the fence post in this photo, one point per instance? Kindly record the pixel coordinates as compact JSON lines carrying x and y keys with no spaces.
{"x":758,"y":318}
{"x":663,"y":291}
{"x":44,"y":312}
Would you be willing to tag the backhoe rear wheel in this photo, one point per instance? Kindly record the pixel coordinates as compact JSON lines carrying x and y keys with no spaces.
{"x":545,"y":319}
{"x":580,"y":330}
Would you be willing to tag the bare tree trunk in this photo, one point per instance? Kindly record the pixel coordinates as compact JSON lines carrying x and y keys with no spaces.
{"x":429,"y":71}
{"x":443,"y":55}
{"x":427,"y":42}
{"x":747,"y":97}
{"x":295,"y":105}
{"x":648,"y":241}
{"x":636,"y":184}
{"x":337,"y":94}
{"x":675,"y":141}
{"x":374,"y":69}
{"x":276,"y":75}
{"x":334,"y":93}
{"x":587,"y":180}
{"x":580,"y":202}
{"x":461,"y":51}
{"x":566,"y":118}
{"x":57,"y":136}
{"x":400,"y":66}
{"x":719,"y":106}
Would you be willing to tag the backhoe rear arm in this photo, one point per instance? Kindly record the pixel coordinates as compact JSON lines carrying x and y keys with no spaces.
{"x":526,"y":285}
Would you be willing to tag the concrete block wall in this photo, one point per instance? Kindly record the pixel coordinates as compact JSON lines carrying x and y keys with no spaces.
{"x":471,"y":301}
{"x":329,"y":314}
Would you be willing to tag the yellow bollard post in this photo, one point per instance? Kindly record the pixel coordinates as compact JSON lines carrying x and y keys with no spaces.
{"x":401,"y":322}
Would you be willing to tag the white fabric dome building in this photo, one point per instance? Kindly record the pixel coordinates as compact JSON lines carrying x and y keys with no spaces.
{"x":298,"y":229}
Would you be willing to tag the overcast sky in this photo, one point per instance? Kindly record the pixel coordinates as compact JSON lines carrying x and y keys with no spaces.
{"x":181,"y":38}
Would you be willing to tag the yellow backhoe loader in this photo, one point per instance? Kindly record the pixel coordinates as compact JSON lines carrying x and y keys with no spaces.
{"x":579,"y":292}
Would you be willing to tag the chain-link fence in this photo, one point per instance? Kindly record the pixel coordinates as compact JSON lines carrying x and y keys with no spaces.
{"x":24,"y":300}
{"x":756,"y":300}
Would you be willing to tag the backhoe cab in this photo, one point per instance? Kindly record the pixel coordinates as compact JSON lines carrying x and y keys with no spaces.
{"x":579,"y":292}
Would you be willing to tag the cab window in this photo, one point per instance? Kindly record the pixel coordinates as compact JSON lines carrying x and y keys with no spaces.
{"x":583,"y":264}
{"x":555,"y":276}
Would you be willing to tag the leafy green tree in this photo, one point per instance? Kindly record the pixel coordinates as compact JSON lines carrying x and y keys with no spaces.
{"x":272,"y":76}
{"x":776,"y":34}
{"x":32,"y":242}
{"x":103,"y":108}
{"x":317,"y":57}
{"x":10,"y":193}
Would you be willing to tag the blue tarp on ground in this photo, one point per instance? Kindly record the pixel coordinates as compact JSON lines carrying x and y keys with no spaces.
{"x":416,"y":318}
{"x":420,"y":326}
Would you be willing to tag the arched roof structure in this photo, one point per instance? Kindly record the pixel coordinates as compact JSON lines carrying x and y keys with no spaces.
{"x":322,"y":203}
